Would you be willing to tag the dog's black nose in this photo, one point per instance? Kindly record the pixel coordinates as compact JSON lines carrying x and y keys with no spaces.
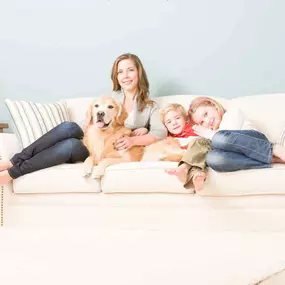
{"x":100,"y":114}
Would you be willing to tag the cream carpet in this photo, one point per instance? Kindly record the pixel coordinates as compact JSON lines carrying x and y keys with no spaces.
{"x":133,"y":257}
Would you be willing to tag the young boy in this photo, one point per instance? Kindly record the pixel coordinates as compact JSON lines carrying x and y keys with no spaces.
{"x":192,"y":167}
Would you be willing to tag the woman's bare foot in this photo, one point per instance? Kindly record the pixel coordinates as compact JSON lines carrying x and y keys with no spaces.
{"x":198,"y":180}
{"x":180,"y":172}
{"x":5,"y":164}
{"x":279,"y":151}
{"x":5,"y":177}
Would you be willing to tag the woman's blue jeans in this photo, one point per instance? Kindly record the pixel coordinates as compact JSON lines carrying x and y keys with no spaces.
{"x":60,"y":145}
{"x":239,"y":150}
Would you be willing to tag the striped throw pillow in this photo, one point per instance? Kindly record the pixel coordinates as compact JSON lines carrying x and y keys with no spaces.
{"x":32,"y":120}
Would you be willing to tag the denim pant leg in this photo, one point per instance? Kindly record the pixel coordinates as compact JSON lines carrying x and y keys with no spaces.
{"x":66,"y":151}
{"x":239,"y":150}
{"x":61,"y":132}
{"x":226,"y":161}
{"x":250,"y":143}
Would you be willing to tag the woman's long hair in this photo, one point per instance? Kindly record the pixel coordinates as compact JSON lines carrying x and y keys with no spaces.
{"x":143,"y":85}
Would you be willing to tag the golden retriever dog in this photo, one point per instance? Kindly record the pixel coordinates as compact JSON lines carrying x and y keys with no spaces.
{"x":168,"y":149}
{"x":104,"y":124}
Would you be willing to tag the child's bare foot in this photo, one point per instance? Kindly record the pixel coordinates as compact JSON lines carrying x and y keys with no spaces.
{"x":277,"y":160}
{"x":198,"y":180}
{"x":5,"y":177}
{"x":279,"y":151}
{"x":180,"y":172}
{"x":5,"y":164}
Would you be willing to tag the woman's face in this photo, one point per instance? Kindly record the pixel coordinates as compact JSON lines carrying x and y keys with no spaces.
{"x":207,"y":116}
{"x":127,"y":75}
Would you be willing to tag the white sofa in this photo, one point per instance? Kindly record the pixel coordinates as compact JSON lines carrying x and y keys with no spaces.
{"x":132,"y":193}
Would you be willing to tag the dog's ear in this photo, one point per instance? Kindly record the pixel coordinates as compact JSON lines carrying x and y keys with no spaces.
{"x":88,"y":118}
{"x":122,"y":115}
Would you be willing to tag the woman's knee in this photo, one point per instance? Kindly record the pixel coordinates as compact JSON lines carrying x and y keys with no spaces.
{"x":76,"y":149}
{"x":73,"y":129}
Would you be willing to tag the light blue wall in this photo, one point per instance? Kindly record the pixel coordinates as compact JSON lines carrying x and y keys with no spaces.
{"x":65,"y":48}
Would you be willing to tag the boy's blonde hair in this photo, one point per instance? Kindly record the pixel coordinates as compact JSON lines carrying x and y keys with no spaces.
{"x":204,"y":101}
{"x":173,"y":107}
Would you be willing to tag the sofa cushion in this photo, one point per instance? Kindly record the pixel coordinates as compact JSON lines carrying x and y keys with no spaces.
{"x":141,"y":177}
{"x":266,"y":112}
{"x":149,"y":177}
{"x":77,"y":108}
{"x":266,"y":181}
{"x":65,"y":178}
{"x":32,"y":120}
{"x":184,"y":100}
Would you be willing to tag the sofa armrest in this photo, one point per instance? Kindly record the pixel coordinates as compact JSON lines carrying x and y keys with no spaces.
{"x":9,"y":145}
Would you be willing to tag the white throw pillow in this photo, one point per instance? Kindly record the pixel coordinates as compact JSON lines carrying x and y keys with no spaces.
{"x":32,"y":120}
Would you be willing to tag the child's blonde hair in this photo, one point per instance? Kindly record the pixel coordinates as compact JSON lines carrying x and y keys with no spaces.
{"x":173,"y":107}
{"x":204,"y":101}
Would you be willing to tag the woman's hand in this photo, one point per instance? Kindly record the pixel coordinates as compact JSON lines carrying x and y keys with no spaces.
{"x":124,"y":143}
{"x":140,"y":132}
{"x":203,"y":132}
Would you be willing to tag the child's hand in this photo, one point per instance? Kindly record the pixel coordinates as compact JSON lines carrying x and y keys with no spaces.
{"x":203,"y":132}
{"x":140,"y":132}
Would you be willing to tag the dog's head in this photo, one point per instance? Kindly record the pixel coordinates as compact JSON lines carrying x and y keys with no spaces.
{"x":105,"y":113}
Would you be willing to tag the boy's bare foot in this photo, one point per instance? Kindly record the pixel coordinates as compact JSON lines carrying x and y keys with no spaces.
{"x":279,"y":151}
{"x":5,"y":164}
{"x":198,"y":180}
{"x":5,"y":177}
{"x":180,"y":172}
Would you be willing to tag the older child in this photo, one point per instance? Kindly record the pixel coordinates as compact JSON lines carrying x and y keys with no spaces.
{"x":193,"y":166}
{"x":236,"y":144}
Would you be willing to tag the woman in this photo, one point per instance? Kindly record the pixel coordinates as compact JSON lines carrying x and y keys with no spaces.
{"x":63,"y":143}
{"x":131,"y":88}
{"x":232,"y":142}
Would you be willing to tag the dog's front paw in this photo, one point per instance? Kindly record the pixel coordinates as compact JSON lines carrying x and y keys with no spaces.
{"x":97,"y":172}
{"x":87,"y":167}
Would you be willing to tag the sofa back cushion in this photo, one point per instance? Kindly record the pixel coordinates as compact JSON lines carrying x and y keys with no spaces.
{"x":266,"y":112}
{"x":77,"y":107}
{"x":184,"y":100}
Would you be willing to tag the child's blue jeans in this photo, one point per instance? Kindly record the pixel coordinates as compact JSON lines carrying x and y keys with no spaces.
{"x":239,"y":150}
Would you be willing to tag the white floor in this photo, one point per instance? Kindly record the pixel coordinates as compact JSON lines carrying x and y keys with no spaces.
{"x":106,"y":246}
{"x":137,"y":257}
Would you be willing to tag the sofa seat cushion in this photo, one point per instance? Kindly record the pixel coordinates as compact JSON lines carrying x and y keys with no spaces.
{"x":65,"y":178}
{"x":141,"y":177}
{"x":267,"y":181}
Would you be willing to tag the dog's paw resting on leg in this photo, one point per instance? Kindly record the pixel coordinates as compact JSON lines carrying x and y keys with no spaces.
{"x":87,"y":166}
